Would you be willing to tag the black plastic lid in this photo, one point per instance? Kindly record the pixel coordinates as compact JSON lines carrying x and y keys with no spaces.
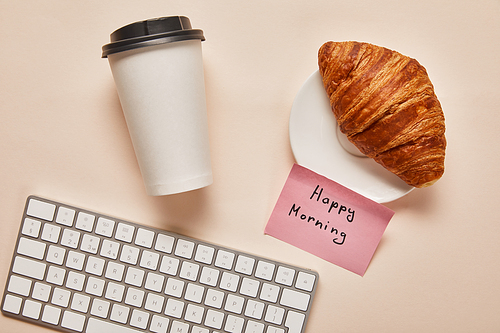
{"x":151,"y":32}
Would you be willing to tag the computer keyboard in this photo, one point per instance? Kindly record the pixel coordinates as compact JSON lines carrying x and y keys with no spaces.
{"x":75,"y":270}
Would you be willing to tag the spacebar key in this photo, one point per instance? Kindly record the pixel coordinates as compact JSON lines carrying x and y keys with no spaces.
{"x":99,"y":326}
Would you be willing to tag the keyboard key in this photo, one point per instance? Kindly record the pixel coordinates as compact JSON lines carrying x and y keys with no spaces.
{"x":224,"y":259}
{"x":114,"y":291}
{"x":31,"y":248}
{"x":154,"y":303}
{"x":174,"y":308}
{"x":249,"y":287}
{"x":104,"y":227}
{"x":295,"y":299}
{"x":129,"y":254}
{"x":194,"y":313}
{"x":80,"y":303}
{"x":99,"y":308}
{"x":42,"y":210}
{"x":114,"y":271}
{"x":144,"y":238}
{"x":194,"y":293}
{"x":274,"y":314}
{"x":272,"y":329}
{"x":189,"y":271}
{"x":55,"y":275}
{"x":51,"y":314}
{"x":254,"y":309}
{"x":265,"y":270}
{"x":32,"y":309}
{"x":90,"y":243}
{"x":75,"y":281}
{"x":169,"y":265}
{"x":164,"y":243}
{"x":41,"y":291}
{"x":95,"y":266}
{"x":110,"y":249}
{"x":184,"y":249}
{"x":60,"y":297}
{"x":179,"y":327}
{"x":204,"y":254}
{"x":65,"y":216}
{"x":149,"y":260}
{"x":305,"y":281}
{"x":134,"y":297}
{"x":85,"y":221}
{"x":214,"y":319}
{"x":31,"y":227}
{"x":134,"y":276}
{"x":12,"y":304}
{"x":234,"y":304}
{"x":174,"y":287}
{"x":28,"y":267}
{"x":294,"y":321}
{"x":154,"y":282}
{"x":269,"y":292}
{"x":70,"y":238}
{"x":124,"y":232}
{"x":234,"y":324}
{"x":98,"y":326}
{"x":55,"y":254}
{"x":197,"y":329}
{"x":51,"y":233}
{"x":139,"y":319}
{"x":244,"y":265}
{"x":73,"y":321}
{"x":285,"y":276}
{"x":19,"y":285}
{"x":209,"y":276}
{"x":229,"y":281}
{"x":75,"y":260}
{"x":214,"y":298}
{"x":254,"y":327}
{"x":159,"y":324}
{"x":94,"y":286}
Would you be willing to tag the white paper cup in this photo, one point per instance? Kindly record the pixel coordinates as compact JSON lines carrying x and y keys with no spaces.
{"x":158,"y":72}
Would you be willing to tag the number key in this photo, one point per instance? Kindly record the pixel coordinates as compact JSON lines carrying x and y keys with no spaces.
{"x":129,"y":254}
{"x":109,"y":249}
{"x":189,"y":271}
{"x":70,"y":238}
{"x":169,"y":265}
{"x":90,"y":243}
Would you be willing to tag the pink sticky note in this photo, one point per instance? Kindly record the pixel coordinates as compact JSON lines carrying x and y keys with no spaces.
{"x":328,"y":220}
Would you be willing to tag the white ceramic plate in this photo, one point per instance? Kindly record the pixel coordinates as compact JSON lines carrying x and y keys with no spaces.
{"x":313,"y":137}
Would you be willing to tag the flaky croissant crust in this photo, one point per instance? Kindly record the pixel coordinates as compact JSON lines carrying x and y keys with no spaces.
{"x":385,"y":104}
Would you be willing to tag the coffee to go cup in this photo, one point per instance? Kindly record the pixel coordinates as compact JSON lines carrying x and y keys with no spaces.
{"x":158,"y":72}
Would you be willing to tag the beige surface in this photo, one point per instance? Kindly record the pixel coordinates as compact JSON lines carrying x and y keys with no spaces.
{"x":63,"y":136}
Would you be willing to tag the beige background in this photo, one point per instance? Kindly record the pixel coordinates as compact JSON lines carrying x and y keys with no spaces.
{"x":63,"y":136}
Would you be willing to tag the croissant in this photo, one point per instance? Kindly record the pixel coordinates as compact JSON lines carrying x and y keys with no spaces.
{"x":385,"y":104}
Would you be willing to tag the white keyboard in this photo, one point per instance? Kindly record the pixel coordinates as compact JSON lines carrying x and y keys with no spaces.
{"x":75,"y":270}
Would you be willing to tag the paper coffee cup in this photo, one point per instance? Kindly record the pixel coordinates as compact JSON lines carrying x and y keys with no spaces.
{"x":158,"y":72}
